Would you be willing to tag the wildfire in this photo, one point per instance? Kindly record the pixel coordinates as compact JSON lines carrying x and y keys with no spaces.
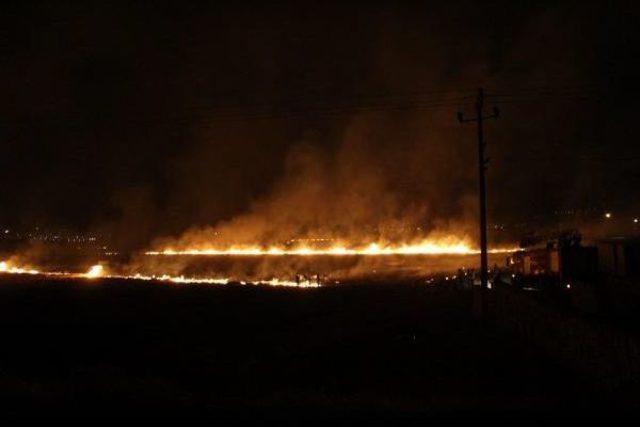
{"x":98,"y":271}
{"x":444,"y":246}
{"x":426,"y":247}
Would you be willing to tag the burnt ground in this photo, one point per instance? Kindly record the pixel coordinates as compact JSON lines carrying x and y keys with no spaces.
{"x":114,"y":349}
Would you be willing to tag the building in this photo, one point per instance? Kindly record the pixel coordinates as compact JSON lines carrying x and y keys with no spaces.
{"x":619,"y":256}
{"x":568,"y":263}
{"x":534,"y":261}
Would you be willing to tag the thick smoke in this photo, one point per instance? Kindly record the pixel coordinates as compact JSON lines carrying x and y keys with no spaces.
{"x":370,"y":188}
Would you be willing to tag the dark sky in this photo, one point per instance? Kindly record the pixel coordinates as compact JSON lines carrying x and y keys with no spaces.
{"x":146,"y":119}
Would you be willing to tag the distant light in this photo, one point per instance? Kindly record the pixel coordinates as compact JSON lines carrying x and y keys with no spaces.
{"x":568,"y":285}
{"x":635,"y":220}
{"x":6,"y":231}
{"x":607,"y":215}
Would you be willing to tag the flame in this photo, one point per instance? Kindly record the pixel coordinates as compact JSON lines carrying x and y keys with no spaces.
{"x":5,"y":267}
{"x":98,"y":271}
{"x":95,"y":271}
{"x":447,"y":246}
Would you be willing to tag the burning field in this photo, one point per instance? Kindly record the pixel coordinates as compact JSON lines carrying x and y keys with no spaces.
{"x":298,"y":266}
{"x":326,"y":219}
{"x":341,"y":206}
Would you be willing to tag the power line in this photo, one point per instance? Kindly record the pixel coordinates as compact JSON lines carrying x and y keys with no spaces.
{"x":411,"y":101}
{"x":205,"y":114}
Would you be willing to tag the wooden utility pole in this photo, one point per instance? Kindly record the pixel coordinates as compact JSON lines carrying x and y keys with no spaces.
{"x":479,"y":297}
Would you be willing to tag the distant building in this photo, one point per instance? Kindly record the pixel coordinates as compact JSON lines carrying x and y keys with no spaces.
{"x":568,"y":263}
{"x":619,"y":257}
{"x":534,"y":261}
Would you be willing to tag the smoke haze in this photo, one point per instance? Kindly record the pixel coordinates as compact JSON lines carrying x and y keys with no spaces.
{"x":175,"y":124}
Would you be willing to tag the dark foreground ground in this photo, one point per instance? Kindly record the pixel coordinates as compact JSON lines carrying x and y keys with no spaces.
{"x":113,"y":349}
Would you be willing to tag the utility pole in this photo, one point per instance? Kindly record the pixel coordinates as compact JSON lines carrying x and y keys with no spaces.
{"x":479,"y":297}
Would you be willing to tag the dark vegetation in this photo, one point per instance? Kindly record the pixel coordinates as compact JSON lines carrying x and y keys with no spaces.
{"x":111,"y":349}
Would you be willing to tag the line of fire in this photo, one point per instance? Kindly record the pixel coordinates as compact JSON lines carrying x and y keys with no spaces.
{"x":560,"y":264}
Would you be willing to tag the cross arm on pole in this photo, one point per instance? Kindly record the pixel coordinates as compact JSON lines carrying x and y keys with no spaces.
{"x":495,"y":115}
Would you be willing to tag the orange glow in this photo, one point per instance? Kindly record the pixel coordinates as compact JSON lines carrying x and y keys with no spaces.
{"x":445,"y":246}
{"x":98,"y":271}
{"x":5,"y":267}
{"x":449,"y":245}
{"x":95,"y":271}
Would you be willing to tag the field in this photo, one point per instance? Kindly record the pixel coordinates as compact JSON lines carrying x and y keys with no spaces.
{"x":109,"y":348}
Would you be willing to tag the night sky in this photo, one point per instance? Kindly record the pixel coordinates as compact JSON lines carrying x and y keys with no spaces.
{"x":140,"y":120}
